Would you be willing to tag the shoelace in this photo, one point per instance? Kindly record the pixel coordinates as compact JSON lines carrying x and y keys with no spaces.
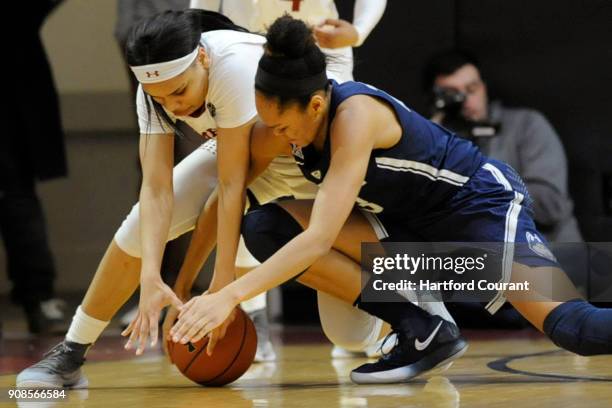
{"x":53,"y":358}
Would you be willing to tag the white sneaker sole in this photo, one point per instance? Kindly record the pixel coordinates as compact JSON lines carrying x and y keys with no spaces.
{"x":404,"y":374}
{"x":37,"y":384}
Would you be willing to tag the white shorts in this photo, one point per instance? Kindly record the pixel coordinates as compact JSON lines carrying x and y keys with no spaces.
{"x":194,"y":179}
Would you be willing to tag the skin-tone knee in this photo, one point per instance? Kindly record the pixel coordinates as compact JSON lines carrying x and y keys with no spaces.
{"x":116,"y":279}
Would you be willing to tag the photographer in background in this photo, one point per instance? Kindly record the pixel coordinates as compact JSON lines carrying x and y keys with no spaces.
{"x":520,"y":137}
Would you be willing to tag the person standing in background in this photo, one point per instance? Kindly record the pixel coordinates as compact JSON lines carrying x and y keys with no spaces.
{"x":30,"y":151}
{"x":336,"y":37}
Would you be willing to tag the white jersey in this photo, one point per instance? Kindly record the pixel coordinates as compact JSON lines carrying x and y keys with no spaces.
{"x":312,"y":12}
{"x":230,"y":101}
{"x":258,"y":15}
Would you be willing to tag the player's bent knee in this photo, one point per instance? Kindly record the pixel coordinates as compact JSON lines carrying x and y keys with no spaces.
{"x":580,"y":327}
{"x":268,"y":228}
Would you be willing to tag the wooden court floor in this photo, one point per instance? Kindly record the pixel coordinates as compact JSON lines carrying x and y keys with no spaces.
{"x":501,"y":369}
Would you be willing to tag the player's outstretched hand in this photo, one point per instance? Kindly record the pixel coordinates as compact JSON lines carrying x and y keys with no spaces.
{"x":201,"y":315}
{"x":154,"y":296}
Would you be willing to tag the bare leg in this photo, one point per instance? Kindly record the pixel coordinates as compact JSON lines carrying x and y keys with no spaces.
{"x":543,"y":283}
{"x":116,"y":279}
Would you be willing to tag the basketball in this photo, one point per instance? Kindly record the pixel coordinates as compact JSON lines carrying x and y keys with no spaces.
{"x":231,"y":357}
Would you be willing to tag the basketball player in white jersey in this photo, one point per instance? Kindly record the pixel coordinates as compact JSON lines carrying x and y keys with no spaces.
{"x":191,"y":65}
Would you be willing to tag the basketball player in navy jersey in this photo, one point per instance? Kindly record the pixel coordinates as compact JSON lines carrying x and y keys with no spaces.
{"x":367,"y":148}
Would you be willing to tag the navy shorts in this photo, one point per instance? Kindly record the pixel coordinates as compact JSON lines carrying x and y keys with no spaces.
{"x":492,"y":206}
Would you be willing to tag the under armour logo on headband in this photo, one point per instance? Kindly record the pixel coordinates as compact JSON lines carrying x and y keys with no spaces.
{"x":162,"y":71}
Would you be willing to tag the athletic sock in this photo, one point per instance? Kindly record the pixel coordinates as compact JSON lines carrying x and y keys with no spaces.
{"x":85,"y":329}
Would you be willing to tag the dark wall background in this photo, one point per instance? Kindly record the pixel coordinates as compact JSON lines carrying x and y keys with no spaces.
{"x":551,"y":55}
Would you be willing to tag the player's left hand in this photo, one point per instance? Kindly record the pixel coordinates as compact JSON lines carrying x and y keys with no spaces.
{"x":201,"y":316}
{"x":334,"y":33}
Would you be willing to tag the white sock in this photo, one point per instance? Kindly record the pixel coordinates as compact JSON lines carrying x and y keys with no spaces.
{"x":85,"y":329}
{"x":256,"y":303}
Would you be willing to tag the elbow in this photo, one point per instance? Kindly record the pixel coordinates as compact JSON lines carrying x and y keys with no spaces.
{"x":320,"y":250}
{"x":319,"y":243}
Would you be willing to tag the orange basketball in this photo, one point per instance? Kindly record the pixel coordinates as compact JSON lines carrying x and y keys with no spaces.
{"x":231,"y":358}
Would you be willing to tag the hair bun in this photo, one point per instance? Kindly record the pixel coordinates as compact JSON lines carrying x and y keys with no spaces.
{"x":289,"y":37}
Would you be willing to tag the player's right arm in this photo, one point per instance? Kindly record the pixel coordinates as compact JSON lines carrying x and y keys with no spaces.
{"x":156,"y":150}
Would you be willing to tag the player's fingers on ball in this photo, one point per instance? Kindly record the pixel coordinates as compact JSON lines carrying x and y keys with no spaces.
{"x":174,"y":330}
{"x":221,"y":332}
{"x":194,"y":328}
{"x":212,"y":342}
{"x":232,"y":316}
{"x":180,"y":329}
{"x":183,"y":318}
{"x":177,"y":331}
{"x":199,"y":336}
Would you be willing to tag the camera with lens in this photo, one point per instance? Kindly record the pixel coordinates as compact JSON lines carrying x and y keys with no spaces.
{"x":449,"y":102}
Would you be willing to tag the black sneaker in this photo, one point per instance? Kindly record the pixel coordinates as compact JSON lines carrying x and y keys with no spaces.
{"x":412,"y":356}
{"x":60,"y":368}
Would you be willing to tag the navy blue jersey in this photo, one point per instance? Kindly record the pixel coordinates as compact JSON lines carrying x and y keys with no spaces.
{"x":417,"y":176}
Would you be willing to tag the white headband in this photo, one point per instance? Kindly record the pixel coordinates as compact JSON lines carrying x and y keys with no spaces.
{"x":150,"y":74}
